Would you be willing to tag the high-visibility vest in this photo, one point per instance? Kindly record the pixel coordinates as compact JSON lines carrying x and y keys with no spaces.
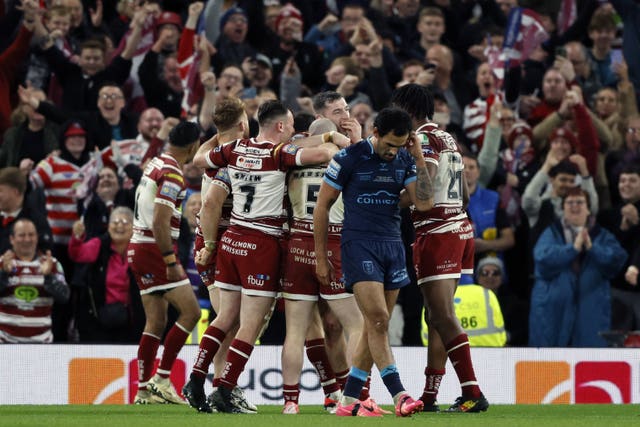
{"x":480,"y":316}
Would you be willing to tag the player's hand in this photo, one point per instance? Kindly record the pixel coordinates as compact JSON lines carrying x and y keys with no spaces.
{"x":631,"y":275}
{"x":414,"y":147}
{"x":324,"y":272}
{"x":205,"y":257}
{"x":341,"y":140}
{"x":46,"y":264}
{"x":175,"y":273}
{"x":352,"y":128}
{"x":8,"y":260}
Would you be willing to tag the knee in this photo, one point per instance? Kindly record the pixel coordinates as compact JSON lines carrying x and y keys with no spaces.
{"x":444,"y":319}
{"x":378,"y":322}
{"x":192,"y":315}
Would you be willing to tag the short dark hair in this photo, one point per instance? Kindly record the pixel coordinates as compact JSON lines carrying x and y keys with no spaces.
{"x":392,"y":119}
{"x":184,"y":134}
{"x":566,"y":166}
{"x":12,"y":177}
{"x":320,"y":100}
{"x":270,"y":110}
{"x":415,"y":99}
{"x":630,"y":168}
{"x":94,"y":43}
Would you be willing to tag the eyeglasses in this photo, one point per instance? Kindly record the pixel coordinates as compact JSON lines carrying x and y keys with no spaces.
{"x":238,"y":19}
{"x":120,"y":221}
{"x":490,"y":273}
{"x":111,"y":96}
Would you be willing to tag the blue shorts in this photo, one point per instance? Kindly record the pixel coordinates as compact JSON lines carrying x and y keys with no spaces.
{"x":373,"y":261}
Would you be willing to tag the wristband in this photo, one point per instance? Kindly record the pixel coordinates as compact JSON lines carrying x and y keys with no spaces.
{"x":167,"y":253}
{"x":210,"y":244}
{"x":172,"y":264}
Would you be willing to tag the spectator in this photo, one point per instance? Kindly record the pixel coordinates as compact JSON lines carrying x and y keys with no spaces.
{"x":12,"y":59}
{"x":110,"y":122}
{"x":491,"y":228}
{"x":28,"y":320}
{"x":232,"y":45}
{"x":477,"y":307}
{"x":108,"y":308}
{"x":629,"y":152}
{"x":14,"y":207}
{"x":31,"y":140}
{"x":431,"y":27}
{"x":475,"y":113}
{"x":452,"y":88}
{"x":308,"y":57}
{"x":602,"y":32}
{"x":81,"y":82}
{"x":614,"y":107}
{"x":629,"y":11}
{"x":106,"y":195}
{"x":149,"y":124}
{"x":58,"y":23}
{"x":586,"y":74}
{"x":574,"y":263}
{"x":623,"y":221}
{"x":332,"y":34}
{"x":544,"y":208}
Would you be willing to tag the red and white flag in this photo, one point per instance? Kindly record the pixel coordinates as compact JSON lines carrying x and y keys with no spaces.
{"x":523,"y":35}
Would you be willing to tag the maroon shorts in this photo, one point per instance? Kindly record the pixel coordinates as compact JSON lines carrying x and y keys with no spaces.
{"x":300,"y":282}
{"x":248,"y":261}
{"x":440,"y":256}
{"x":149,"y":270}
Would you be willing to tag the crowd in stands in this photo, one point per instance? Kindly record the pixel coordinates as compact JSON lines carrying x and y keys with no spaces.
{"x":89,"y":90}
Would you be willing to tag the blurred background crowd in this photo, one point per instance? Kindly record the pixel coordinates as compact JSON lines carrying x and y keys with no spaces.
{"x":542,"y":97}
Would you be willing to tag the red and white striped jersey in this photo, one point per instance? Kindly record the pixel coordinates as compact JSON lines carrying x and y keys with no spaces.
{"x":257,"y":172}
{"x":162,"y":183}
{"x":59,"y":178}
{"x":441,"y":149}
{"x":25,"y":306}
{"x":474,"y":119}
{"x":304,"y":185}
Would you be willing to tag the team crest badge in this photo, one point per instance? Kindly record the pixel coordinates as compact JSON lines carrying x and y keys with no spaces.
{"x":367,"y":267}
{"x":399,"y":176}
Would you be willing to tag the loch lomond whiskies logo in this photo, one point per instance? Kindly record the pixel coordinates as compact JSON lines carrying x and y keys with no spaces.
{"x":110,"y":380}
{"x":564,"y":383}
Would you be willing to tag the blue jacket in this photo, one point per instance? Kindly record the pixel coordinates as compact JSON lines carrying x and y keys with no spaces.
{"x":569,"y":308}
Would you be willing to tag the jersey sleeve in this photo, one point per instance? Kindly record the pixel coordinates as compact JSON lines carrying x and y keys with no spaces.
{"x":170,"y":185}
{"x":41,"y":175}
{"x":222,"y":180}
{"x":219,"y":156}
{"x":411,"y":174}
{"x":287,"y":156}
{"x":430,"y":148}
{"x":337,"y":173}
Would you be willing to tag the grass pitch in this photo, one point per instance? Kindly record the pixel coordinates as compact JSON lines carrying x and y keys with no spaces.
{"x":312,"y":416}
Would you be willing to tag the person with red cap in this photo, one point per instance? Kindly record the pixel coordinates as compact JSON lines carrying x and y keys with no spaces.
{"x":57,"y":175}
{"x":290,"y":44}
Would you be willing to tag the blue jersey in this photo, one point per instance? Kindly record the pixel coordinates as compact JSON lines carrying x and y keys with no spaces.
{"x":370,"y":190}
